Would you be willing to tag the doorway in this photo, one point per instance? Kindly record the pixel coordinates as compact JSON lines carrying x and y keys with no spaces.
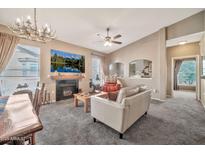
{"x":185,"y":77}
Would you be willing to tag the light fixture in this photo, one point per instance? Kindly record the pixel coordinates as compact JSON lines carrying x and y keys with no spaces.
{"x":24,"y":28}
{"x":182,"y":42}
{"x":107,"y":43}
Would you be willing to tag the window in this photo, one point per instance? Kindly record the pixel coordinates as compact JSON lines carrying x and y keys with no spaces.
{"x":97,"y":75}
{"x":23,"y":67}
{"x":187,"y":73}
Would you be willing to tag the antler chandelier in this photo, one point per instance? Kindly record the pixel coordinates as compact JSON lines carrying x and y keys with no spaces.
{"x":24,"y":28}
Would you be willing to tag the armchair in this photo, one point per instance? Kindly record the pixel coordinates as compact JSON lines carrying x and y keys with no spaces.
{"x":120,"y":115}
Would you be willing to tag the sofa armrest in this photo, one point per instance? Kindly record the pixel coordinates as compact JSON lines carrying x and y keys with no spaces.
{"x":104,"y":100}
{"x":102,"y":95}
{"x":137,"y":105}
{"x":108,"y":112}
{"x":144,"y":96}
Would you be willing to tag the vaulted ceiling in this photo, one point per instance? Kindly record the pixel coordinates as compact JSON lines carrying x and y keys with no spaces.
{"x":80,"y":26}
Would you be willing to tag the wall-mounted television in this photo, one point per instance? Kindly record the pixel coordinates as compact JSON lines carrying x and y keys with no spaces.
{"x":67,"y":62}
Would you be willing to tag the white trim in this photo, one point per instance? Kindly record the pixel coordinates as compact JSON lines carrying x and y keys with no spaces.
{"x":190,"y":38}
{"x":197,"y":73}
{"x":202,"y":104}
{"x":169,"y":96}
{"x":158,"y":99}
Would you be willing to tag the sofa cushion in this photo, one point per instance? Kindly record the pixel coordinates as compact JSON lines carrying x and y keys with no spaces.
{"x":127,"y":92}
{"x":121,"y":95}
{"x":133,"y":91}
{"x":122,"y":82}
{"x":142,"y":88}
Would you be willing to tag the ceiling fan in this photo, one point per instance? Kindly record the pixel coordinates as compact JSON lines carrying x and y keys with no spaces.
{"x":109,"y":40}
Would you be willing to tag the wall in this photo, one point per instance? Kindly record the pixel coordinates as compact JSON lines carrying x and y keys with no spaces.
{"x":191,"y":49}
{"x":203,"y":91}
{"x":152,"y":48}
{"x":190,"y":25}
{"x":45,"y":59}
{"x":202,"y":46}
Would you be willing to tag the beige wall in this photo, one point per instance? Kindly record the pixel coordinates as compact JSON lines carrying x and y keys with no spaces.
{"x":191,"y":49}
{"x":202,"y":46}
{"x":45,"y":59}
{"x":190,"y":25}
{"x":152,"y":48}
{"x":203,"y":92}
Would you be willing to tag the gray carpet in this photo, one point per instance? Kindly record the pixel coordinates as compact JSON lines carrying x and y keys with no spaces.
{"x":176,"y":121}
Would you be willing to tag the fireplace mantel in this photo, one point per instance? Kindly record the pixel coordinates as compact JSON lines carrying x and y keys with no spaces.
{"x":67,"y":77}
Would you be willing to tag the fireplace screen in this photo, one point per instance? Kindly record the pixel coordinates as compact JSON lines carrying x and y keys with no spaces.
{"x":65,"y":89}
{"x":67,"y":92}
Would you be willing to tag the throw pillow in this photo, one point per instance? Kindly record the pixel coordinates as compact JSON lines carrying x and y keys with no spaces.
{"x":131,"y":92}
{"x":122,"y":82}
{"x":121,"y":95}
{"x":142,"y":88}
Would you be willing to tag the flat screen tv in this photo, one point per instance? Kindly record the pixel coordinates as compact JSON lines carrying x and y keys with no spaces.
{"x":67,"y":62}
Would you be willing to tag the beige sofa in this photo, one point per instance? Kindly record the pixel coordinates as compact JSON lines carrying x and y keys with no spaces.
{"x":123,"y":112}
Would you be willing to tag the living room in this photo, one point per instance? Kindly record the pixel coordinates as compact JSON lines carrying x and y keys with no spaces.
{"x":102,"y":77}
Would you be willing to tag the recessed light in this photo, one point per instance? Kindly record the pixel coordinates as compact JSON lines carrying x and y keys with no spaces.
{"x":182,"y":42}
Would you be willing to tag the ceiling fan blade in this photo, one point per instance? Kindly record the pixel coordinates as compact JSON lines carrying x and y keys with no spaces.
{"x":116,"y":42}
{"x":117,"y":36}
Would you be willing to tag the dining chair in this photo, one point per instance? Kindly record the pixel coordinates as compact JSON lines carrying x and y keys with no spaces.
{"x":19,"y":86}
{"x":38,"y":97}
{"x":37,"y":102}
{"x":25,"y":91}
{"x":38,"y":84}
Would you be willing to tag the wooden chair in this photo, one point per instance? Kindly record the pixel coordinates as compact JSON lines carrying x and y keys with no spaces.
{"x":38,"y":84}
{"x":37,"y":102}
{"x":38,"y":97}
{"x":20,"y":86}
{"x":25,"y":91}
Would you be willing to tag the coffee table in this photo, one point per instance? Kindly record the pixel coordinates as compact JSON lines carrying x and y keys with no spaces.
{"x":85,"y":98}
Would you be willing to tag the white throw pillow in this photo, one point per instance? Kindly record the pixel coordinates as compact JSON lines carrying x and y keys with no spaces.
{"x":142,"y":88}
{"x":131,"y":92}
{"x":121,"y":95}
{"x":122,"y":82}
{"x":126,"y":92}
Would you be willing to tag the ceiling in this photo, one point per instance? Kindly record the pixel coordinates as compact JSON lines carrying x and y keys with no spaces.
{"x":80,"y":26}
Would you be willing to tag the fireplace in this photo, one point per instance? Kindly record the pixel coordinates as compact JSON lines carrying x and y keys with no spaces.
{"x":65,"y":89}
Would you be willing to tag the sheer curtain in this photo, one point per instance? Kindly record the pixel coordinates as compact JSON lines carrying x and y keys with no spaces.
{"x":98,"y":68}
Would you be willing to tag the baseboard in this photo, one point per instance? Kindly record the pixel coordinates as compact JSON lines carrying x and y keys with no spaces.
{"x":157,"y":99}
{"x":169,"y":96}
{"x":202,"y":104}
